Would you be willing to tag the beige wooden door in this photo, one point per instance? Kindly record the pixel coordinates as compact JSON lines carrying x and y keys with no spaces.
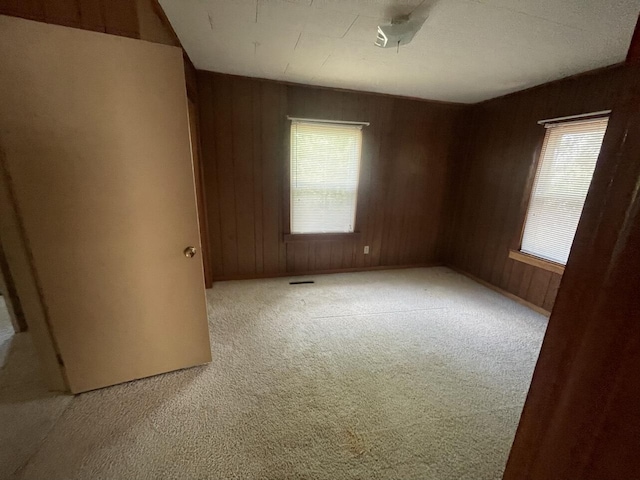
{"x":98,"y":161}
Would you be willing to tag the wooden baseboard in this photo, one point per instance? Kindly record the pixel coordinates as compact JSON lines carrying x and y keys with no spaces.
{"x":253,"y":276}
{"x":510,"y":295}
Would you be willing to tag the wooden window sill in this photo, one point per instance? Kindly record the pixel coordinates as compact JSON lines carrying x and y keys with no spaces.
{"x":536,"y":261}
{"x":321,"y":237}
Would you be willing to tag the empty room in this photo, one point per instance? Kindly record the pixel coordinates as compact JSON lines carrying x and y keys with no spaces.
{"x":320,"y":239}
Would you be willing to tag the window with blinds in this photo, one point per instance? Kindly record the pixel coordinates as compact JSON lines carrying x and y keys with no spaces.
{"x":325,"y":167}
{"x":566,"y":165}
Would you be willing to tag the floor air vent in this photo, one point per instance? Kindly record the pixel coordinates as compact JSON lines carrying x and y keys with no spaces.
{"x":301,"y":282}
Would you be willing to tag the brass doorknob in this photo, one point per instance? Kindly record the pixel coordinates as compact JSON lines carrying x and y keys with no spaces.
{"x":189,"y":252}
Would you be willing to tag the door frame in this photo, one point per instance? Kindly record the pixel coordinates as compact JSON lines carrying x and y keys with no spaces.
{"x":8,"y":291}
{"x":20,"y":265}
{"x":201,"y":198}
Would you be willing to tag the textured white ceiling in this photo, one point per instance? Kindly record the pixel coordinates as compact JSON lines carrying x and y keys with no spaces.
{"x":467,"y":51}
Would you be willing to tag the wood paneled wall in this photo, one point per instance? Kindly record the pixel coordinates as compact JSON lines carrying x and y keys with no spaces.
{"x":440,"y":183}
{"x":118,"y":17}
{"x":404,"y":168}
{"x":502,"y":142}
{"x":581,"y":418}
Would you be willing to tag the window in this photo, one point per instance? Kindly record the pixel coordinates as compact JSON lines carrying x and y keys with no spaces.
{"x":566,"y":165}
{"x":325,"y":167}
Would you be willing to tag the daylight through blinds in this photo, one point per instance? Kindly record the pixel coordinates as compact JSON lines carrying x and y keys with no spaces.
{"x":564,"y":173}
{"x":325,"y":167}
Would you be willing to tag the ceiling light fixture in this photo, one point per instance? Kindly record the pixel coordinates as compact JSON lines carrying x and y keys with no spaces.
{"x":400,"y":32}
{"x":403,"y":27}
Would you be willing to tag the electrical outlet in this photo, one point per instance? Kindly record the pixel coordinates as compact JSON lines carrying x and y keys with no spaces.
{"x":366,"y":250}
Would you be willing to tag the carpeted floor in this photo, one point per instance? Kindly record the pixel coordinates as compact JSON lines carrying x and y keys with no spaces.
{"x":400,"y":374}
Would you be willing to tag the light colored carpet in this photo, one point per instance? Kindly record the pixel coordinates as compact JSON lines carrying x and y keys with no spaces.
{"x":400,"y":374}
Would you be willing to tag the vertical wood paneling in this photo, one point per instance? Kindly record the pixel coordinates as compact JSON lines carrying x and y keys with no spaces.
{"x":121,"y":18}
{"x":392,"y":191}
{"x":364,"y":110}
{"x":224,"y":154}
{"x":203,"y":222}
{"x":538,"y":287}
{"x":91,"y":16}
{"x":207,"y":144}
{"x":552,"y":291}
{"x":323,"y":255}
{"x":31,"y":9}
{"x":271,"y":113}
{"x":379,"y":178}
{"x":256,"y":99}
{"x":525,"y":281}
{"x":63,"y":12}
{"x":243,"y":166}
{"x":581,"y":418}
{"x":118,"y":17}
{"x":402,"y":178}
{"x":493,"y":172}
{"x":411,"y":156}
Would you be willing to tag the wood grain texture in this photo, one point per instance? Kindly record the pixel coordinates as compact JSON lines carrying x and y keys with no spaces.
{"x":154,"y":25}
{"x":493,"y":173}
{"x":633,"y":55}
{"x":245,"y":137}
{"x":118,"y":17}
{"x":536,"y":261}
{"x":581,"y":418}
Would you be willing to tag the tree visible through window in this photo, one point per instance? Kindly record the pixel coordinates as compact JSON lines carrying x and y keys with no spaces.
{"x":325,"y":167}
{"x":564,"y":173}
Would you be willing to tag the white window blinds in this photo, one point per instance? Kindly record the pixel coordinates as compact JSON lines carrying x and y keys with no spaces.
{"x":566,"y":165}
{"x":325,"y":167}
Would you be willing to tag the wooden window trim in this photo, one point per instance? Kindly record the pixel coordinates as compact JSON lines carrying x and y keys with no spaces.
{"x":321,"y":237}
{"x":536,"y":261}
{"x":286,"y":179}
{"x":516,"y":242}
